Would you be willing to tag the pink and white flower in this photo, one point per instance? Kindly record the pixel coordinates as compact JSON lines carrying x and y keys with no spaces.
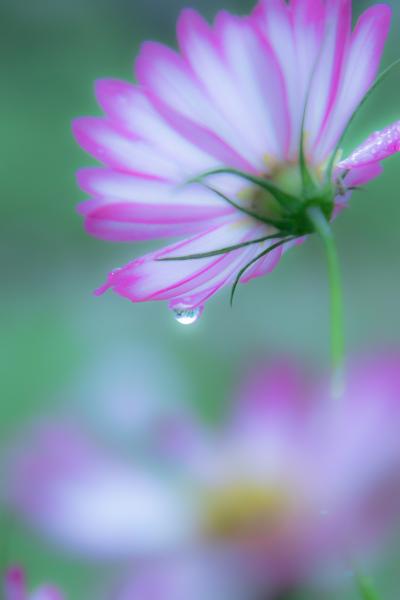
{"x":15,"y":587}
{"x":231,"y":101}
{"x":291,"y":482}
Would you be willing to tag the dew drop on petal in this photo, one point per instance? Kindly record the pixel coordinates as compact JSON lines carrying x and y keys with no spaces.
{"x":187,"y":316}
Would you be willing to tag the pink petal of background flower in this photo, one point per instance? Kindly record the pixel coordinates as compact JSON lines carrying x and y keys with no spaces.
{"x":15,"y":587}
{"x":232,"y":96}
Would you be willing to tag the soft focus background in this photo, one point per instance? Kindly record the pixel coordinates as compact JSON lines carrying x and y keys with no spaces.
{"x":53,"y":329}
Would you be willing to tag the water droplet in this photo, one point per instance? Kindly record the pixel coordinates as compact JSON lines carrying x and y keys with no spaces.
{"x":187,"y":316}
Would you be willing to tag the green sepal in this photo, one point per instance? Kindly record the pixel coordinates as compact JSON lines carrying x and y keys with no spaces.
{"x":253,"y":261}
{"x":279,"y":224}
{"x":323,"y":200}
{"x":221,"y":250}
{"x":381,"y":77}
{"x":289,"y":203}
{"x":309,"y":186}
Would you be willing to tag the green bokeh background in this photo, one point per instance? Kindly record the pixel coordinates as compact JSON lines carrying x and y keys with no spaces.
{"x":50,"y":52}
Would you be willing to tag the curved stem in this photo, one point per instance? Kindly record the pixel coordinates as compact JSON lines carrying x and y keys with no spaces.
{"x":322,"y":227}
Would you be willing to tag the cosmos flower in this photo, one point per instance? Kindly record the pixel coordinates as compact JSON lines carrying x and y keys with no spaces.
{"x":292,"y":481}
{"x":15,"y":588}
{"x":228,"y":142}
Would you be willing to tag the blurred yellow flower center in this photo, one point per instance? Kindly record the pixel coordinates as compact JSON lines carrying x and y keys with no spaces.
{"x":245,"y":509}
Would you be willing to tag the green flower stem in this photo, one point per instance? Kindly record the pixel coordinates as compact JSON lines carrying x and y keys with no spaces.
{"x":322,"y":227}
{"x":366,"y":589}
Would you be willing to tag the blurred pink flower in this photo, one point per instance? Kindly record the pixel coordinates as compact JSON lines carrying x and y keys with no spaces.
{"x":15,"y":588}
{"x":184,"y":579}
{"x":232,"y":98}
{"x":290,"y":482}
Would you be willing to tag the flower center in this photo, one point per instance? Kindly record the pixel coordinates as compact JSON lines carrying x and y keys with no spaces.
{"x":262,"y":202}
{"x":282,"y":199}
{"x":243,"y":509}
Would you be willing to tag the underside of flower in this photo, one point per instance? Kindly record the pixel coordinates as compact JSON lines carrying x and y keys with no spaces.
{"x":280,"y":200}
{"x":232,"y":144}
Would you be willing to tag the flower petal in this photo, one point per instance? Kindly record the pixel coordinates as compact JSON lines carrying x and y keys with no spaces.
{"x":128,"y":107}
{"x":113,"y":147}
{"x":273,"y":18}
{"x":329,"y":69}
{"x":15,"y":584}
{"x":196,"y":578}
{"x":179,"y":97}
{"x":128,"y":208}
{"x":203,"y":48}
{"x":46,"y":592}
{"x":273,"y":396}
{"x":111,"y":185}
{"x":263,"y":266}
{"x":356,"y":177}
{"x":124,"y":222}
{"x":258,"y":75}
{"x":232,"y":57}
{"x":92,"y":503}
{"x":359,"y":71}
{"x":308,"y":23}
{"x":377,"y":147}
{"x":362,"y":175}
{"x":308,"y":18}
{"x":148,"y":278}
{"x":363,"y":484}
